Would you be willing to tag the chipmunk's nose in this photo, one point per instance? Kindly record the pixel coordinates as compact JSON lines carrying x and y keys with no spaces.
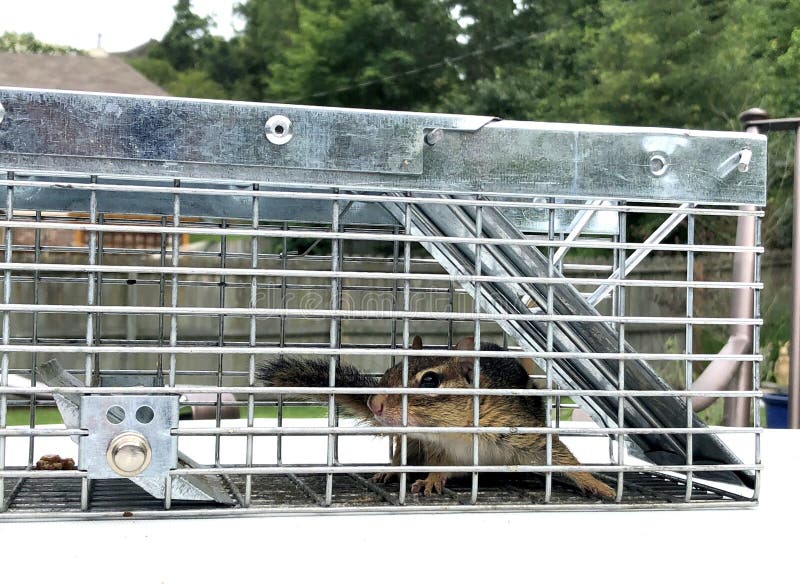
{"x":375,"y":403}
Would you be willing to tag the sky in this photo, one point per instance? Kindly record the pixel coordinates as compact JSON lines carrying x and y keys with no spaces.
{"x":123,"y":24}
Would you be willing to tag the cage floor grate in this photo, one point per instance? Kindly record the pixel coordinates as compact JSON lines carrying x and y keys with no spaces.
{"x":349,"y":492}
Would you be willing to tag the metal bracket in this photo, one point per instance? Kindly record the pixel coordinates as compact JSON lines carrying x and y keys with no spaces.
{"x":129,"y":435}
{"x":189,"y":488}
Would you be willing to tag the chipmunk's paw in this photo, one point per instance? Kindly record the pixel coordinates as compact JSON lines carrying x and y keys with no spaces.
{"x":434,"y":482}
{"x":601,"y":490}
{"x":589,"y":485}
{"x":384,"y":477}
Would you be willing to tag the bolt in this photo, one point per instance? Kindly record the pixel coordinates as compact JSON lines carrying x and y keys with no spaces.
{"x":737,"y":161}
{"x":434,"y":136}
{"x":744,"y":160}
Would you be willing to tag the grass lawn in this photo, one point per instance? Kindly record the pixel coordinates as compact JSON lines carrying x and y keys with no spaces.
{"x":21,"y":416}
{"x":288,"y":412}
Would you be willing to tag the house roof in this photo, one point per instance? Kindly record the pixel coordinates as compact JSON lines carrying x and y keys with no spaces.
{"x":74,"y":72}
{"x":136,"y":52}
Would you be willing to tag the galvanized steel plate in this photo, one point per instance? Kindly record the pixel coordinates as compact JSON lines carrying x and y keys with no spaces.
{"x":151,"y":129}
{"x":97,"y":414}
{"x":371,"y":150}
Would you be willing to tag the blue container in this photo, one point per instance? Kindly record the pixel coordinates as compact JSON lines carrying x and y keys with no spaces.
{"x":777,"y":410}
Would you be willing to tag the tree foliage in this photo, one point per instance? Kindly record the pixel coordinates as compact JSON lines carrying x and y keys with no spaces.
{"x":190,"y":61}
{"x":525,"y":60}
{"x":187,"y":42}
{"x":12,"y":42}
{"x":359,"y":53}
{"x":268,"y":26}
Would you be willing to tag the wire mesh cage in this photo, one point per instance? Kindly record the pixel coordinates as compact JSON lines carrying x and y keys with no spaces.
{"x":222,"y":308}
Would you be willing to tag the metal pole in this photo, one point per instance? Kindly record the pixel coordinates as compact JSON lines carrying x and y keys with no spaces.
{"x":754,"y":120}
{"x":737,"y":411}
{"x":793,"y":417}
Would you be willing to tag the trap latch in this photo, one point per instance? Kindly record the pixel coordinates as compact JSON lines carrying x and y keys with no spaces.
{"x":128,"y":435}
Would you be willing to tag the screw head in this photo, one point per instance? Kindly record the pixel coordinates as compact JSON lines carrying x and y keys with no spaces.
{"x":278,"y":129}
{"x":129,"y":454}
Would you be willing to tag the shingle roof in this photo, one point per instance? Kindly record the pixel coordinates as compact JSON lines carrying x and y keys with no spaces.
{"x":74,"y":72}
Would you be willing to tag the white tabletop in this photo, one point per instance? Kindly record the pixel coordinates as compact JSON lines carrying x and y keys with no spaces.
{"x":742,"y":545}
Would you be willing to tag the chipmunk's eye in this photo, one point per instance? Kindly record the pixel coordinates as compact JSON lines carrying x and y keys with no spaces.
{"x":430,"y":379}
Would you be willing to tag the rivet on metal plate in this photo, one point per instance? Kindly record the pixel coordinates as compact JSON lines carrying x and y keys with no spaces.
{"x":658,"y":164}
{"x":278,"y":129}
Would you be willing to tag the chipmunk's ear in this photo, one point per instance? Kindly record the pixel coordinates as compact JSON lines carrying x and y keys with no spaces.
{"x":466,"y":364}
{"x":466,"y":344}
{"x":416,"y":344}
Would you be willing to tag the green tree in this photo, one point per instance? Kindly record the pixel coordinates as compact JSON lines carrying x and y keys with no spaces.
{"x":188,"y":83}
{"x":158,"y":71}
{"x":195,"y":83}
{"x":386,"y":54}
{"x":12,"y":42}
{"x":191,"y":62}
{"x":770,"y":31}
{"x":524,"y":59}
{"x":266,"y":35}
{"x":187,"y":42}
{"x":658,"y":63}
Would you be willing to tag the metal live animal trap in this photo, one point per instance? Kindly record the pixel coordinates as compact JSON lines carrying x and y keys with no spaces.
{"x":200,"y":300}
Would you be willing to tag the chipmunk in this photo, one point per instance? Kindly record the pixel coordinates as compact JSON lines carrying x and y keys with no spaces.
{"x":431,"y":410}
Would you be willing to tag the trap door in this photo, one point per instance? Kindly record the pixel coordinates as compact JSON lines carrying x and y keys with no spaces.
{"x":585,"y":351}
